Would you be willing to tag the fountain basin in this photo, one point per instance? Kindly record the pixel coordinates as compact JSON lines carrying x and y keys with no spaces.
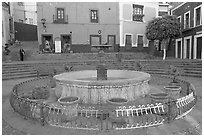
{"x":130,"y":85}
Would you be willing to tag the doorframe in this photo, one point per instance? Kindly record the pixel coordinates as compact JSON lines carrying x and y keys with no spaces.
{"x":42,"y":35}
{"x":111,"y":36}
{"x":131,"y":39}
{"x":185,"y":47}
{"x":61,"y":35}
{"x":195,"y":46}
{"x":176,"y":49}
{"x":95,"y":36}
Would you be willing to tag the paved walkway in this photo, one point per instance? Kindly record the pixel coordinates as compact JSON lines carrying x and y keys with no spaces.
{"x":13,"y":123}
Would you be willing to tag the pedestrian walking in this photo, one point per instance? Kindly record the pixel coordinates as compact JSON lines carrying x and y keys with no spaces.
{"x":22,"y":53}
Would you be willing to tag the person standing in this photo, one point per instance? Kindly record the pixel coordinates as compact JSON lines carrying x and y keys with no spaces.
{"x":22,"y":53}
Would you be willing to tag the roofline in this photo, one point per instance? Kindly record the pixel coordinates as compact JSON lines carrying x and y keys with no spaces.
{"x":178,"y":6}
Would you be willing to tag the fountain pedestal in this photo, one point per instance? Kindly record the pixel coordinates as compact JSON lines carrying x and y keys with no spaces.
{"x":101,"y":68}
{"x":101,"y":72}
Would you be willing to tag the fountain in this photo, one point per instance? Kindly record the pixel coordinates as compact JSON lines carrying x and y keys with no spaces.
{"x":100,"y":85}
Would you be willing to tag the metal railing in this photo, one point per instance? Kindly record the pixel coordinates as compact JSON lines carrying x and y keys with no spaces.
{"x":92,"y":118}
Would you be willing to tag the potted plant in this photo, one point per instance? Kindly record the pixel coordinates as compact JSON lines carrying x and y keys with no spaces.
{"x":159,"y":98}
{"x":71,"y":104}
{"x":175,"y":72}
{"x":173,"y":89}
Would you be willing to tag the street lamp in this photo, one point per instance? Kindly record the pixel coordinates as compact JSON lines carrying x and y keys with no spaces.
{"x":43,"y":23}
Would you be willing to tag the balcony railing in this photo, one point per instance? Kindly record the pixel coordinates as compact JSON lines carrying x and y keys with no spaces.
{"x":60,"y":21}
{"x":138,"y":17}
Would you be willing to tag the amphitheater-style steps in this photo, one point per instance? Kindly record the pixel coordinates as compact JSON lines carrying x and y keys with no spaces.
{"x":192,"y":68}
{"x":17,"y":70}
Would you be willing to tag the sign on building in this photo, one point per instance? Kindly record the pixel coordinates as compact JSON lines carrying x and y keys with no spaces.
{"x":58,"y":45}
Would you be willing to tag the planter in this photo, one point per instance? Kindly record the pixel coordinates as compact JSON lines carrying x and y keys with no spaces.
{"x":69,"y":101}
{"x":173,"y":91}
{"x":70,"y":104}
{"x":117,"y":101}
{"x":159,"y":98}
{"x":174,"y":84}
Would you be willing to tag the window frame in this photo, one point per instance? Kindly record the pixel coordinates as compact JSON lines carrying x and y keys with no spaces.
{"x":97,"y":16}
{"x":138,"y":15}
{"x":200,"y":6}
{"x":60,"y":9}
{"x":188,"y":12}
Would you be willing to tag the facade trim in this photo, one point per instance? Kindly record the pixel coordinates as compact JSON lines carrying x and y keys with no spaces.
{"x":200,"y":6}
{"x":188,"y":12}
{"x":179,"y":17}
{"x":195,"y":46}
{"x":176,"y":49}
{"x":178,"y":6}
{"x":131,"y":39}
{"x":137,"y":39}
{"x":185,"y":47}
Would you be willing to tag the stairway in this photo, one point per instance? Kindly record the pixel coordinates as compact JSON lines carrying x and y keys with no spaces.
{"x":17,"y":70}
{"x":191,"y":68}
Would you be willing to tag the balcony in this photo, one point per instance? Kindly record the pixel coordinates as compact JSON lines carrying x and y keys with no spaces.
{"x":60,"y":21}
{"x":138,"y":17}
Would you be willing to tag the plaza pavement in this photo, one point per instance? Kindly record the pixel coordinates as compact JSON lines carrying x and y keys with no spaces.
{"x":13,"y":123}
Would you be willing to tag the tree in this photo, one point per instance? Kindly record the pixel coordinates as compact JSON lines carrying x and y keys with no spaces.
{"x":163,"y":29}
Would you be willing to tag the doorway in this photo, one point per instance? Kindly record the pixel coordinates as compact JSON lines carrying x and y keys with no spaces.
{"x":95,"y":39}
{"x":199,"y":47}
{"x":179,"y":49}
{"x":47,"y":43}
{"x":111,"y":41}
{"x":128,"y":42}
{"x":66,"y":42}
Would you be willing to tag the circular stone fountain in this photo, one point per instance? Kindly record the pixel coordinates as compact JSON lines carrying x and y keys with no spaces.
{"x":130,"y":85}
{"x":101,"y":85}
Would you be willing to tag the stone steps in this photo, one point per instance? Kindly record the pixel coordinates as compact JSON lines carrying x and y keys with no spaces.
{"x":23,"y":69}
{"x":190,"y":67}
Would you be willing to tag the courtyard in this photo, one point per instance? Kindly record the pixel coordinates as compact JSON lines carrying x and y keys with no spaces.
{"x":102,"y":68}
{"x":13,"y":123}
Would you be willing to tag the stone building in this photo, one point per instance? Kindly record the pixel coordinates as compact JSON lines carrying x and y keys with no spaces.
{"x":80,"y":24}
{"x":189,"y":45}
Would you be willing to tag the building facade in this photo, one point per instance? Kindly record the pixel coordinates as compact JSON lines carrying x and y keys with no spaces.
{"x":24,"y":12}
{"x":79,"y":24}
{"x":134,"y":18}
{"x":7,"y":24}
{"x":189,"y":45}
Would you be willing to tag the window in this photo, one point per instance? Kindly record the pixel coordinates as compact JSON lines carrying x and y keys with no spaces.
{"x":179,"y":19}
{"x":197,"y":16}
{"x":30,"y":21}
{"x":137,"y":13}
{"x":20,"y":3}
{"x":162,"y":13}
{"x":187,"y":20}
{"x":140,"y":40}
{"x":94,"y":16}
{"x":20,"y":20}
{"x":60,"y":13}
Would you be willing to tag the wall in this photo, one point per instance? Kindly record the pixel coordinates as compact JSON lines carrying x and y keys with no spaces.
{"x":5,"y":25}
{"x":79,"y":21}
{"x":25,"y":32}
{"x":127,"y":26}
{"x":30,"y":8}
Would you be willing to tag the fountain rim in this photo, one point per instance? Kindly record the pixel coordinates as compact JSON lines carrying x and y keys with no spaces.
{"x":145,"y":77}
